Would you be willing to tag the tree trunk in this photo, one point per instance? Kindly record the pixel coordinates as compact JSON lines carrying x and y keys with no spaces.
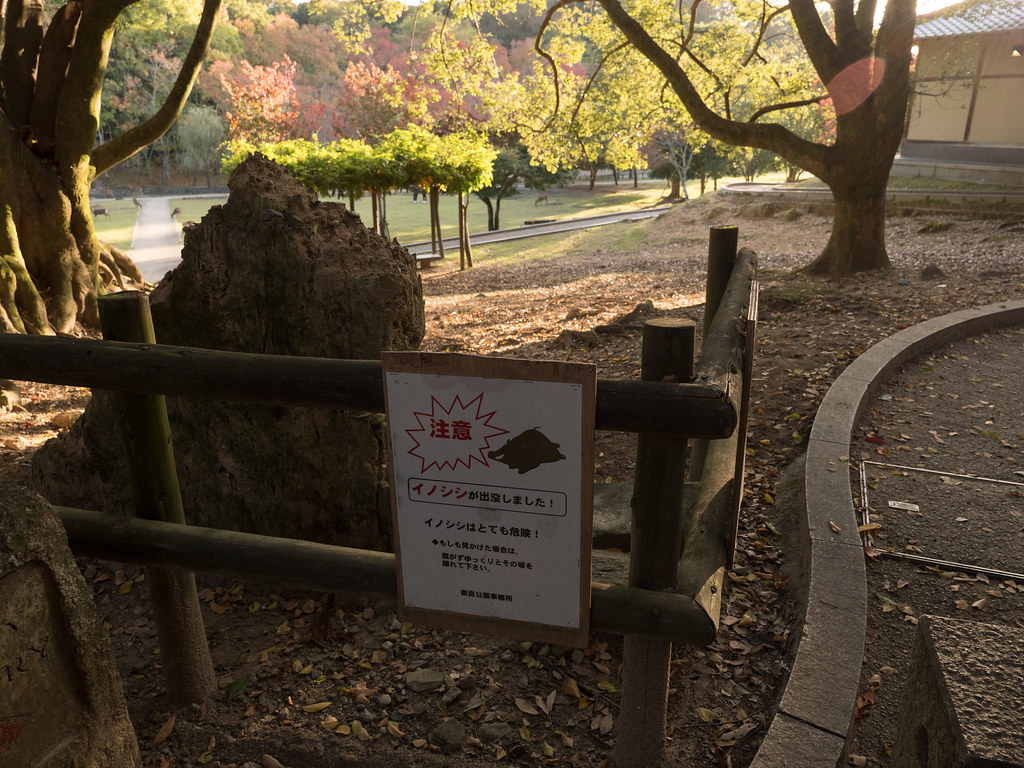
{"x":674,"y":191}
{"x":49,"y":121}
{"x":636,"y":178}
{"x":435,"y":221}
{"x":465,"y":253}
{"x":491,"y":225}
{"x":857,"y":242}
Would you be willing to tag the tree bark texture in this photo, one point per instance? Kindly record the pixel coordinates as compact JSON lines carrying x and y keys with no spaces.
{"x":50,"y":83}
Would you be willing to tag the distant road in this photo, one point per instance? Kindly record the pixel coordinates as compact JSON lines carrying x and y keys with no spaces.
{"x":533,"y":230}
{"x":156,"y":245}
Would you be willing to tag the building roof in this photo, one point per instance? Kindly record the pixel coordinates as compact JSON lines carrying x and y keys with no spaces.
{"x":972,"y":18}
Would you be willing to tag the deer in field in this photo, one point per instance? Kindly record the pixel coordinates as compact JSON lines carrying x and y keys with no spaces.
{"x":137,"y":203}
{"x":175,"y":213}
{"x":541,"y":199}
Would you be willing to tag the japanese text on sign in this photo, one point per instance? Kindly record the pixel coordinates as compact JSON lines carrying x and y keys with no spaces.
{"x":489,"y":490}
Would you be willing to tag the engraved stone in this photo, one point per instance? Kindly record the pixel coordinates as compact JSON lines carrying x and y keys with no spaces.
{"x":61,"y":702}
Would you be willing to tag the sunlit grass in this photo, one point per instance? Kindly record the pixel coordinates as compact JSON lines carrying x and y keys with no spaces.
{"x":118,"y":227}
{"x":409,"y":221}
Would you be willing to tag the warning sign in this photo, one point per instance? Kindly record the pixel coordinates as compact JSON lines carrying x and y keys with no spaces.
{"x":492,"y":478}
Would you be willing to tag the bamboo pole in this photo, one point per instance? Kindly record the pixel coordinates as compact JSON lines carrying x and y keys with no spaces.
{"x":325,"y":568}
{"x":693,"y":410}
{"x":146,"y":433}
{"x":666,"y":355}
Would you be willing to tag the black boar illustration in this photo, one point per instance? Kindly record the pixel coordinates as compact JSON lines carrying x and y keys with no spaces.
{"x":527,"y":451}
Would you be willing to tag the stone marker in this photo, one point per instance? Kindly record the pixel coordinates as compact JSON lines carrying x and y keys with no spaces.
{"x":963,"y":705}
{"x":61,"y":702}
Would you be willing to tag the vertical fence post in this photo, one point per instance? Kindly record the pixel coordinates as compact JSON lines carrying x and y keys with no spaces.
{"x":667,"y":355}
{"x":722,"y":246}
{"x":143,"y":424}
{"x":722,"y":249}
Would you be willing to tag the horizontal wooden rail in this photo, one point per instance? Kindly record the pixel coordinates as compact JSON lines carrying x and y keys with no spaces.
{"x":326,"y":568}
{"x":690,"y":410}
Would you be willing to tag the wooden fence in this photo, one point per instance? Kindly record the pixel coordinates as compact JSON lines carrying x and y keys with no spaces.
{"x":684,"y":509}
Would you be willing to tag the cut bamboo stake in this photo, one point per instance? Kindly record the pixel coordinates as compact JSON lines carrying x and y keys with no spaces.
{"x":667,"y":356}
{"x":184,"y":652}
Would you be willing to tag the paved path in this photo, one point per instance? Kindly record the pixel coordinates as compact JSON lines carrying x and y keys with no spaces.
{"x":156,"y":243}
{"x":817,"y":706}
{"x":533,"y":230}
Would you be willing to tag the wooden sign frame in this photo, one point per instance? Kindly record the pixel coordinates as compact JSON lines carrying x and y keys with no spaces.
{"x":482,"y":490}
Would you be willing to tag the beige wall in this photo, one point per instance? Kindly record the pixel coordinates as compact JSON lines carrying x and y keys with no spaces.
{"x":945,"y":78}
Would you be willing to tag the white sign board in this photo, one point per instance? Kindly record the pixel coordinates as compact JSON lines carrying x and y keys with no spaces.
{"x":492,"y":480}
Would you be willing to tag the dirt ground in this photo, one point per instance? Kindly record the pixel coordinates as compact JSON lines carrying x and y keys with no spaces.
{"x":354,"y":700}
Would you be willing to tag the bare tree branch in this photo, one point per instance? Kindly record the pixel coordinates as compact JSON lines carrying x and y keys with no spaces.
{"x":53,"y":66}
{"x":127,"y":144}
{"x":769,"y":136}
{"x":784,"y":105}
{"x":763,"y":27}
{"x":23,"y":34}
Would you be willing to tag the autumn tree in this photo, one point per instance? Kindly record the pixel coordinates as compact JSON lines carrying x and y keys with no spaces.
{"x":865,"y":70}
{"x":51,"y":77}
{"x":262,"y":100}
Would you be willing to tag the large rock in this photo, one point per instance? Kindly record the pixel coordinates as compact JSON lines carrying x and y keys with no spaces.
{"x":272,"y":271}
{"x":61,"y":702}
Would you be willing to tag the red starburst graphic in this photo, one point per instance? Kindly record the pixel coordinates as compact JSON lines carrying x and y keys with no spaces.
{"x":11,"y":728}
{"x":453,"y":436}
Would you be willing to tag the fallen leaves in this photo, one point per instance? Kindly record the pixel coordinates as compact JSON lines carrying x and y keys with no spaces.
{"x":164,"y":732}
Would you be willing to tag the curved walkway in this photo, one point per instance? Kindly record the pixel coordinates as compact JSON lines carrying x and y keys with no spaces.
{"x":816,"y":708}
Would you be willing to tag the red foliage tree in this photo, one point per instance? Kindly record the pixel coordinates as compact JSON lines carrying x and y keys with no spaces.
{"x":263,"y":102}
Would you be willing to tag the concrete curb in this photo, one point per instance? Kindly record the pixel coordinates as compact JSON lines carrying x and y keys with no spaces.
{"x":817,"y":705}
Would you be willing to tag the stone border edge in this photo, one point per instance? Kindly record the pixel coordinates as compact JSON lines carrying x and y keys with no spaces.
{"x":817,"y":705}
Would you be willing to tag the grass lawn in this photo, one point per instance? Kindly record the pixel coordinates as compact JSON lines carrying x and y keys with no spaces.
{"x":118,"y":227}
{"x":409,"y":221}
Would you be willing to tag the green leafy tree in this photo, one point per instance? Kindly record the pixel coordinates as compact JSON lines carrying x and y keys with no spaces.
{"x":866,"y":73}
{"x":201,"y":133}
{"x":51,"y":76}
{"x":513,"y":168}
{"x":710,"y":162}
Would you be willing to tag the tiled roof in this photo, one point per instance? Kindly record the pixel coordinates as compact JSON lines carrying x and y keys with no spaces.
{"x":973,"y":18}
